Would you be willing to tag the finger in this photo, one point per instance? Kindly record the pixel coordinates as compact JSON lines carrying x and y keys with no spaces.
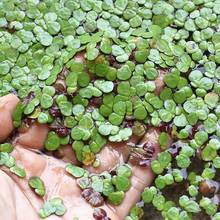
{"x":141,"y":176}
{"x":112,"y":155}
{"x":69,"y":156}
{"x":33,"y":163}
{"x":33,"y":136}
{"x":64,"y":153}
{"x":7,"y":105}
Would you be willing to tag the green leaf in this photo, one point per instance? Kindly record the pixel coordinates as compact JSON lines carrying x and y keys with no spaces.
{"x":6,"y":147}
{"x":104,"y":86}
{"x":106,"y":46}
{"x":122,"y":183}
{"x":52,"y":142}
{"x":92,"y":53}
{"x":148,"y":194}
{"x":45,"y":38}
{"x":20,"y":172}
{"x":116,"y":198}
{"x":180,"y":121}
{"x":163,"y":46}
{"x":37,"y":184}
{"x":75,"y":170}
{"x":164,"y":140}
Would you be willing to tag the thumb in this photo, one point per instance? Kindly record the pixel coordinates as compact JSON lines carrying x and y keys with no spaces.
{"x":7,"y":105}
{"x":141,"y":176}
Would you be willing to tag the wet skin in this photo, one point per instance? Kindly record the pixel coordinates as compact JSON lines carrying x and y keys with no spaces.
{"x":15,"y":194}
{"x":18,"y":196}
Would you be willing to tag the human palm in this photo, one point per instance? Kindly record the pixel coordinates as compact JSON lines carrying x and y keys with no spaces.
{"x":24,"y":204}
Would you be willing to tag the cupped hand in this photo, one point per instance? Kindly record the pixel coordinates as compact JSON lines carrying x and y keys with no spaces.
{"x":16,"y":195}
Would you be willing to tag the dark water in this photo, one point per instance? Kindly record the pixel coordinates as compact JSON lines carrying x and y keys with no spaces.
{"x":174,"y":191}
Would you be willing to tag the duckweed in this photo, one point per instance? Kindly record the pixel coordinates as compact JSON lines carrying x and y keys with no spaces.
{"x":143,"y":64}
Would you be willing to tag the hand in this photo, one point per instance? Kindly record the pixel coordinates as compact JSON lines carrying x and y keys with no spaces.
{"x":16,"y":195}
